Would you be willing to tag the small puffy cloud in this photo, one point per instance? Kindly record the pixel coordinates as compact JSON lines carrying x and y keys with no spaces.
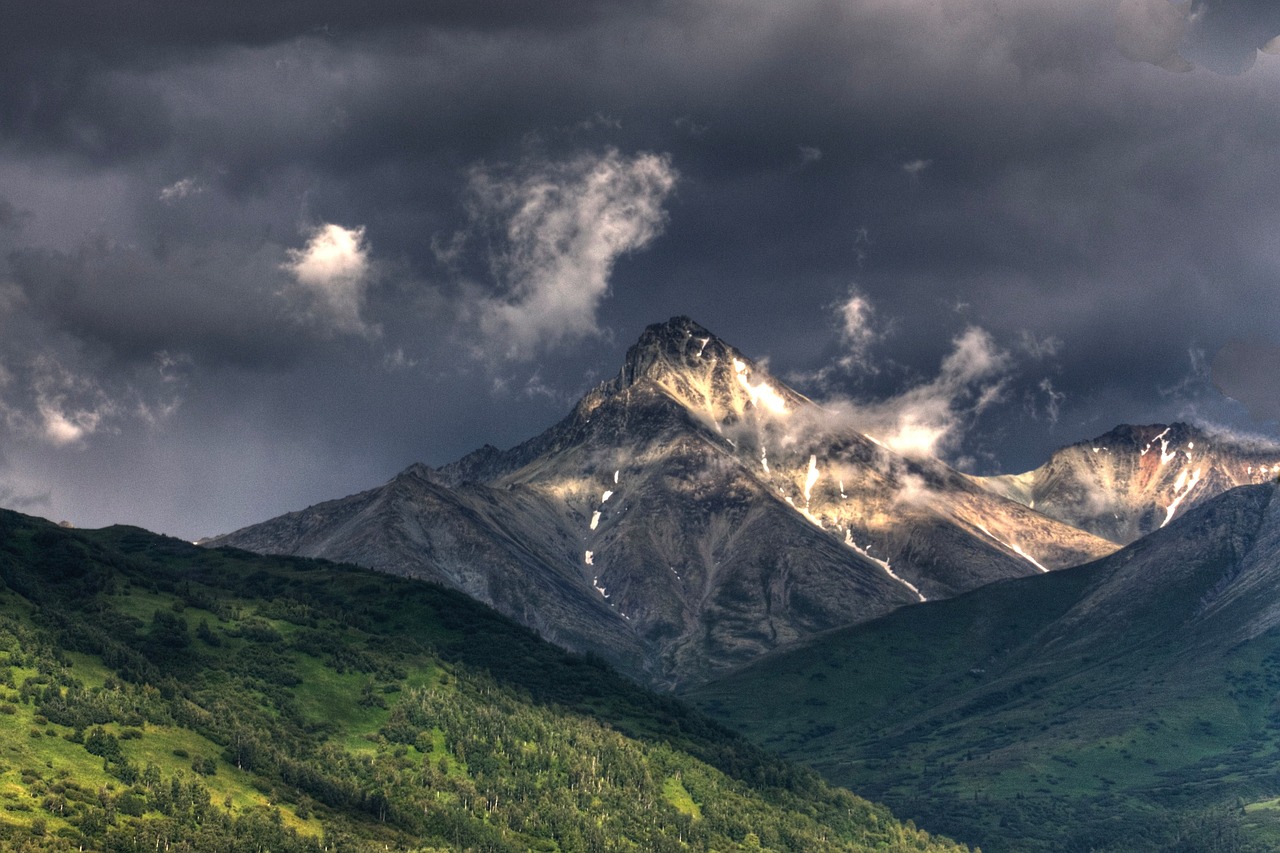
{"x":179,"y":190}
{"x":562,"y":227}
{"x":332,"y":273}
{"x":914,"y":168}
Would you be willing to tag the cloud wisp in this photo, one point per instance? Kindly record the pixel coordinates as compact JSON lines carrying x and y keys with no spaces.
{"x":930,"y":418}
{"x":563,"y":225}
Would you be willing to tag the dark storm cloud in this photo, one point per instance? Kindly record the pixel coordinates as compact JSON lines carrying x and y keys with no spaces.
{"x":130,"y":25}
{"x":1246,"y":371}
{"x":327,"y":239}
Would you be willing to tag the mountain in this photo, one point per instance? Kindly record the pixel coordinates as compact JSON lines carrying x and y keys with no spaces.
{"x":1136,"y":479}
{"x":687,"y":516}
{"x":1129,"y":704}
{"x":159,"y":696}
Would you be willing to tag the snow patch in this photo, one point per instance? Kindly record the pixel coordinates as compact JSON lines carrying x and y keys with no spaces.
{"x":884,"y":564}
{"x":615,"y":477}
{"x":608,"y":494}
{"x":1181,"y":487}
{"x":1030,"y":559}
{"x":810,"y":477}
{"x":590,"y":558}
{"x":595,"y":581}
{"x":1015,"y":548}
{"x":704,"y":342}
{"x":595,"y":519}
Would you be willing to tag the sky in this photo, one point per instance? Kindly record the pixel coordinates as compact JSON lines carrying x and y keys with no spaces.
{"x":258,"y":255}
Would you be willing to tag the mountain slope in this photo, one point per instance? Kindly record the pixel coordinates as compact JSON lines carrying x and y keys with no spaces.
{"x":1112,"y":706}
{"x":154,"y":695}
{"x":708,"y":510}
{"x":1136,"y":479}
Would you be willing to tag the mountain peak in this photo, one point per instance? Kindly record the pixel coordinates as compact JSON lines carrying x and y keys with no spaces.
{"x":678,"y":342}
{"x":703,"y":373}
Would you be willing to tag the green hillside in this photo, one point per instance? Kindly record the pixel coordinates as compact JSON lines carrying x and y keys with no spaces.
{"x":156,"y":695}
{"x":1072,"y":711}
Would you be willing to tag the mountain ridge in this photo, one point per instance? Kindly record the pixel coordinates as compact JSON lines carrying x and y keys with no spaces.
{"x":1132,"y":480}
{"x":715,"y":511}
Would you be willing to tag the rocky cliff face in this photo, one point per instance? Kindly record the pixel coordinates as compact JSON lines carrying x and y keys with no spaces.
{"x":1136,"y":479}
{"x":688,"y":516}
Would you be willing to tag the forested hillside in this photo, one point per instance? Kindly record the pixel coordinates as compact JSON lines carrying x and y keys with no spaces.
{"x":156,"y":695}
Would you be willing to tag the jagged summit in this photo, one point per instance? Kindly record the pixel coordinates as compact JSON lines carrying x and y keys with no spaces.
{"x":680,"y":345}
{"x":702,"y":373}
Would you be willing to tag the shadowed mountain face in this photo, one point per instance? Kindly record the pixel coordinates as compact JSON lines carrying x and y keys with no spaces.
{"x":1136,"y":479}
{"x":688,"y":516}
{"x":1094,"y":708}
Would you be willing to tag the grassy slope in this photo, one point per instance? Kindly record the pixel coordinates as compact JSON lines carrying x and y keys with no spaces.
{"x":154,"y":693}
{"x":955,"y":713}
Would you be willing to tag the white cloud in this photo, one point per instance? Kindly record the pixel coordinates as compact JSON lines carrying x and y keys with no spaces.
{"x":333,"y":272}
{"x":929,"y":419}
{"x":1053,"y":400}
{"x":69,"y":407}
{"x":857,"y":331}
{"x":915,"y":167}
{"x":563,"y":226}
{"x":181,"y":189}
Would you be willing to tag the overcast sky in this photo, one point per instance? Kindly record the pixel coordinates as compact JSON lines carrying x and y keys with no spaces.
{"x":258,"y":255}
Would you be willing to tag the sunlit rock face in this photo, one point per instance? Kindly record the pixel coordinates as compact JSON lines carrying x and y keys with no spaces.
{"x":1136,"y":479}
{"x":688,"y":516}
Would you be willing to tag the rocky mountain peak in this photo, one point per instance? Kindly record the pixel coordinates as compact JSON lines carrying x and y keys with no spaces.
{"x":679,"y":343}
{"x":703,"y":373}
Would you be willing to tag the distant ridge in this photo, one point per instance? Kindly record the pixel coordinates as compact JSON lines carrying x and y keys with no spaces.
{"x":1136,"y":479}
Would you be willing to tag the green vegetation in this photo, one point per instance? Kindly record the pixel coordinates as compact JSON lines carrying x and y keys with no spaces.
{"x":155,"y":695}
{"x":989,"y":718}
